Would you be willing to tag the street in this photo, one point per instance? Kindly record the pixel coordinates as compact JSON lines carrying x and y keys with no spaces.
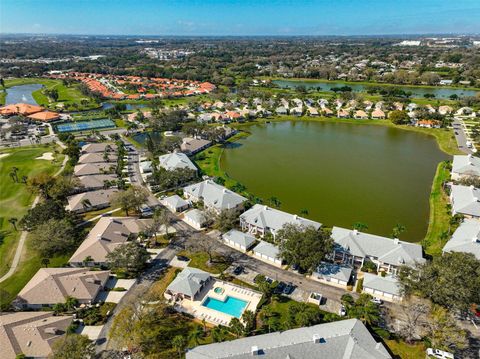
{"x":460,"y":136}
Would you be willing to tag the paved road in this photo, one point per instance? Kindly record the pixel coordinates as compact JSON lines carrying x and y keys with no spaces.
{"x":460,"y":135}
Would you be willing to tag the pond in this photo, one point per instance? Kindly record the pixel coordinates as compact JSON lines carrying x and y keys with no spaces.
{"x":21,"y":94}
{"x":341,"y":173}
{"x":439,"y":92}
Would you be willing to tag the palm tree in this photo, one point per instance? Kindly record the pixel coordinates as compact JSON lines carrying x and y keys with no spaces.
{"x":71,"y":303}
{"x":13,"y":222}
{"x":86,"y":204}
{"x":13,"y":176}
{"x":15,"y":173}
{"x":248,"y":318}
{"x":204,"y":323}
{"x":266,"y":314}
{"x":397,"y":230}
{"x":24,"y":179}
{"x":45,"y":262}
{"x":274,"y":202}
{"x":304,"y":212}
{"x":179,"y":343}
{"x":236,"y":327}
{"x":196,"y":335}
{"x":360,"y":226}
{"x":218,"y":334}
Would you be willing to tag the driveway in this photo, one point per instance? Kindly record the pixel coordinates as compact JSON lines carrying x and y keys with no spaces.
{"x":461,"y":136}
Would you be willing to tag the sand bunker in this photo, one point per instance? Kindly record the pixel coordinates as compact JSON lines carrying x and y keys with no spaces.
{"x":46,"y":156}
{"x":2,"y":155}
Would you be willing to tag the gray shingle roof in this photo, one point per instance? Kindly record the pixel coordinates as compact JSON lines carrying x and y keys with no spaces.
{"x":267,"y":249}
{"x":264,"y":216}
{"x":214,"y":195}
{"x":334,"y":271}
{"x":189,"y":281}
{"x":346,"y":339}
{"x":175,"y":201}
{"x":387,"y":250}
{"x":243,"y":239}
{"x":196,"y":216}
{"x":466,"y":238}
{"x":386,"y":284}
{"x":466,"y":165}
{"x":466,"y":200}
{"x":95,"y":181}
{"x":176,"y":160}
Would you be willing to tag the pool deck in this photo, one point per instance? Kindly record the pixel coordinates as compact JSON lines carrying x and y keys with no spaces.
{"x":215,"y":317}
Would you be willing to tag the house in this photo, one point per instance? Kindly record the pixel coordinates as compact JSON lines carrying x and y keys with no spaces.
{"x":352,"y":247}
{"x":239,"y":240}
{"x":344,"y":339}
{"x":195,"y":218}
{"x":343,"y":113}
{"x":175,"y":203}
{"x":327,"y":112}
{"x":145,"y":167}
{"x":331,"y":273}
{"x":99,"y":148}
{"x":97,"y":157}
{"x":31,"y":334}
{"x":386,"y":287}
{"x":465,"y":200}
{"x":296,"y":111}
{"x":360,"y":115}
{"x":466,"y":238}
{"x":190,"y":146}
{"x":175,"y":161}
{"x":312,"y":111}
{"x":214,"y":196}
{"x":23,"y":109}
{"x":90,"y":201}
{"x":86,"y":169}
{"x":445,"y":110}
{"x":50,"y":286}
{"x":268,"y":252}
{"x":107,"y":234}
{"x":94,"y":182}
{"x":428,"y":124}
{"x":465,"y":166}
{"x":378,"y":114}
{"x":188,"y":284}
{"x":44,"y":116}
{"x":281,"y":110}
{"x":446,"y":82}
{"x":261,"y":219}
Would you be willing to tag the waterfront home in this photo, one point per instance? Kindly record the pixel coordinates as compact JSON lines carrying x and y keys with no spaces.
{"x":191,"y":146}
{"x":334,"y":274}
{"x":354,"y":248}
{"x":465,"y":111}
{"x":284,"y":103}
{"x":428,"y":124}
{"x":50,"y":286}
{"x":445,"y":110}
{"x":107,"y":234}
{"x":281,"y":110}
{"x":343,"y":113}
{"x":465,"y":166}
{"x":466,"y":238}
{"x":98,"y":148}
{"x":175,"y":203}
{"x":398,"y":106}
{"x":95,"y":182}
{"x":261,"y":219}
{"x":327,"y":112}
{"x":312,"y":111}
{"x":378,"y":114}
{"x":268,"y":252}
{"x":31,"y":334}
{"x":97,"y":157}
{"x":214,"y":196}
{"x":195,"y":218}
{"x":296,"y":111}
{"x":239,"y":240}
{"x":344,"y":339}
{"x":86,"y":169}
{"x":176,"y":160}
{"x":360,"y":115}
{"x":90,"y":201}
{"x":387,"y":287}
{"x":465,"y":201}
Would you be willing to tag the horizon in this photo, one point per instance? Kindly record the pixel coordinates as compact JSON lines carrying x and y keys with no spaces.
{"x":235,"y":18}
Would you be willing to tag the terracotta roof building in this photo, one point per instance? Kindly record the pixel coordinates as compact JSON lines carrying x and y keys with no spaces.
{"x":44,"y":116}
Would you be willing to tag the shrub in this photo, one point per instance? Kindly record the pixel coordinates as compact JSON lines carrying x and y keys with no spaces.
{"x":360,"y":285}
{"x":119,"y":289}
{"x":369,"y":267}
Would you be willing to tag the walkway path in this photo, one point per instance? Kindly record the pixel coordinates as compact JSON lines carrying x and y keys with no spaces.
{"x":23,"y":236}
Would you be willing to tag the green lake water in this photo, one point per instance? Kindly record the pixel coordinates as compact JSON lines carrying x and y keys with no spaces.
{"x":341,"y":173}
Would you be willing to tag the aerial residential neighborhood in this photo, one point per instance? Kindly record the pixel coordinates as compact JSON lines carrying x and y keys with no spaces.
{"x":239,"y":179}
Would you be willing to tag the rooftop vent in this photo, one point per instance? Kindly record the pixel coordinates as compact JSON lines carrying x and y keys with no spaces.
{"x":396,"y":241}
{"x":256,"y":350}
{"x":318,"y":339}
{"x":355,"y":231}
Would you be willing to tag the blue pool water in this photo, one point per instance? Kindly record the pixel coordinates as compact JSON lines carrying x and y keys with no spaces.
{"x":231,"y":306}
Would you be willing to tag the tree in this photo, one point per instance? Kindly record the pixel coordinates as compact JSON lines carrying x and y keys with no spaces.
{"x":42,"y":184}
{"x":73,"y":346}
{"x":133,"y":198}
{"x":248,"y":318}
{"x":218,"y":334}
{"x":365,"y":310}
{"x":236,"y":327}
{"x":54,"y":236}
{"x":179,"y":343}
{"x":360,"y":226}
{"x":71,"y":303}
{"x":196,"y":335}
{"x":226,"y":220}
{"x":304,"y":247}
{"x":274,"y":202}
{"x":41,"y":213}
{"x":129,"y":257}
{"x":13,"y":222}
{"x":397,"y":230}
{"x":45,"y":262}
{"x":414,"y":321}
{"x":161,"y":218}
{"x":451,"y":280}
{"x":443,"y":332}
{"x":399,"y":117}
{"x":205,"y":244}
{"x":14,"y":174}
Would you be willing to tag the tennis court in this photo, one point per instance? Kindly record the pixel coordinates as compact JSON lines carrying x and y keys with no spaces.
{"x":85,"y":125}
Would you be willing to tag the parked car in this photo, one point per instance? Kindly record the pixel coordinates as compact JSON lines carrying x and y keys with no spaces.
{"x":146,"y":211}
{"x":440,"y":354}
{"x":289,"y":288}
{"x":280,"y":287}
{"x":183,"y":258}
{"x":377,"y":301}
{"x":238,"y":270}
{"x":342,"y":312}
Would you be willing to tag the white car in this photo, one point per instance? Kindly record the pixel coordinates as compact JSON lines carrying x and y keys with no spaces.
{"x":440,"y":354}
{"x":377,"y":300}
{"x":342,"y":312}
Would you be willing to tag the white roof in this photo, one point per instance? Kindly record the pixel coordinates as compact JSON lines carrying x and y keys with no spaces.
{"x":175,"y":201}
{"x":466,"y":238}
{"x":466,"y":200}
{"x":334,"y":271}
{"x":195,"y":215}
{"x":189,"y":281}
{"x":214,"y":195}
{"x":466,"y":165}
{"x":243,"y":239}
{"x":387,"y":284}
{"x":267,"y":249}
{"x":176,"y":160}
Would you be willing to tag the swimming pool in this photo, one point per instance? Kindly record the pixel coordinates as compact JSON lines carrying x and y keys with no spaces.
{"x":231,"y":306}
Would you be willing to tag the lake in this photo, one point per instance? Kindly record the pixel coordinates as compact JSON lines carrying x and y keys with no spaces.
{"x":341,"y":173}
{"x":439,"y":92}
{"x":21,"y":94}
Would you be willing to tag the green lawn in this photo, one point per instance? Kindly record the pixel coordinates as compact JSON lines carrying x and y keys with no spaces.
{"x":70,"y":96}
{"x":16,"y":198}
{"x":199,"y":260}
{"x":406,"y":351}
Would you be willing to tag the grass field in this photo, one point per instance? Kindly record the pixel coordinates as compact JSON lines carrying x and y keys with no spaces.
{"x":16,"y":198}
{"x":405,"y":351}
{"x":70,"y":96}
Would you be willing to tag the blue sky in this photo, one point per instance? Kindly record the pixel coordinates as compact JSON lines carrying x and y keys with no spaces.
{"x":235,"y":17}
